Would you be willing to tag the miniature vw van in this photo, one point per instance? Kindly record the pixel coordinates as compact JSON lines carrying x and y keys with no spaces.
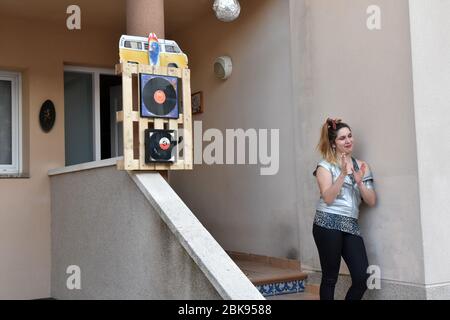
{"x":134,"y":49}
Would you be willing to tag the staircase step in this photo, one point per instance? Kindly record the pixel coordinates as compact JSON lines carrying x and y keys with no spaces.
{"x":272,"y":276}
{"x":260,"y":274}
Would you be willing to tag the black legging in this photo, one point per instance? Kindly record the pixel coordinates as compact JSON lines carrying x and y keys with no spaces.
{"x":332,"y":244}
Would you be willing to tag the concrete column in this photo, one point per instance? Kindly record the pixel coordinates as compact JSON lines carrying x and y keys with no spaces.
{"x":430,"y":49}
{"x":145,"y":16}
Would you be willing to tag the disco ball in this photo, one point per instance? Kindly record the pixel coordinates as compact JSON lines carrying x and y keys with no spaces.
{"x":227,"y":10}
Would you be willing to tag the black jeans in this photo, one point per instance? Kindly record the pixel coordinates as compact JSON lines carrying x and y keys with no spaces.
{"x":332,"y":244}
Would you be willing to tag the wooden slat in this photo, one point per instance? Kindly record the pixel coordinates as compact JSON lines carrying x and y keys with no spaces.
{"x":173,"y":124}
{"x":135,"y":164}
{"x":134,"y":116}
{"x":188,"y":146}
{"x":143,"y":125}
{"x":174,"y":72}
{"x":160,"y":70}
{"x":179,"y":165}
{"x":162,"y":166}
{"x":127,"y":118}
{"x":132,"y":68}
{"x":145,"y":68}
{"x":159,"y":123}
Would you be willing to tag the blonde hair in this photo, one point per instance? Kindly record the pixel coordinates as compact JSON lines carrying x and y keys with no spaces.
{"x":328,"y":134}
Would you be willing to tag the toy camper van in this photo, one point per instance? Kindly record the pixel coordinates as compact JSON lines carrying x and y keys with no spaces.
{"x":134,"y":49}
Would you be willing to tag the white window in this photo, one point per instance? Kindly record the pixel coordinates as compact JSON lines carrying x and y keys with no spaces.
{"x":10,"y":123}
{"x":91,"y":99}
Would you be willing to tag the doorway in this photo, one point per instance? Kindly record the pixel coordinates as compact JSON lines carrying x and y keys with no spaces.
{"x":91,"y":99}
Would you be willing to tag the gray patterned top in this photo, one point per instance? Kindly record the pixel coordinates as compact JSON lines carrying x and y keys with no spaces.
{"x":337,"y":222}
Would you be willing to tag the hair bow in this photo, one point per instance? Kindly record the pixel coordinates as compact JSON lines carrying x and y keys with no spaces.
{"x":333,"y":122}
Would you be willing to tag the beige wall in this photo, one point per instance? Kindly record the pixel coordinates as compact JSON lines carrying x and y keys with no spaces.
{"x":344,"y":70}
{"x":338,"y":68}
{"x":39,"y":49}
{"x":243,"y":210}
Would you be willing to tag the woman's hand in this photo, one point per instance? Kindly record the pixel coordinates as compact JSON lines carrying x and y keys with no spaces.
{"x":369,"y":196}
{"x":359,"y":175}
{"x":345,"y":168}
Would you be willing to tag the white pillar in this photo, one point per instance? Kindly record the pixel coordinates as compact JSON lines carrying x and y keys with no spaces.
{"x":430,"y":51}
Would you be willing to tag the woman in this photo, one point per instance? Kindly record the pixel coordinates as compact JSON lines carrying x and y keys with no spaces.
{"x":343,"y":182}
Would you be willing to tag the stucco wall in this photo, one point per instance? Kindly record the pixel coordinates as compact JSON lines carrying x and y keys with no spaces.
{"x":430,"y":41}
{"x":338,"y":68}
{"x":242,"y":209}
{"x":344,"y":70}
{"x":102,"y":223}
{"x":39,"y":48}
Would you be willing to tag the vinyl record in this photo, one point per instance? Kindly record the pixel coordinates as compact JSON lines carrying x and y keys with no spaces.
{"x":159,"y":96}
{"x":159,"y":145}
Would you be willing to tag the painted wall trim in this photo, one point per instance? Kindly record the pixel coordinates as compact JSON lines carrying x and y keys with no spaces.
{"x":84,"y":166}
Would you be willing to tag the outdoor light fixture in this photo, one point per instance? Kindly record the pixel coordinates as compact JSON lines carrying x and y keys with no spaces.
{"x":227,"y":10}
{"x":223,"y":67}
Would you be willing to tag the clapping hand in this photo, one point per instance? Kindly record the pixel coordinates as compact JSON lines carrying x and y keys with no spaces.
{"x":345,"y":168}
{"x":358,"y":175}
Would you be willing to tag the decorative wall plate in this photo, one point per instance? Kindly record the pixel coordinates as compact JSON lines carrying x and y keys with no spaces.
{"x":47,"y":116}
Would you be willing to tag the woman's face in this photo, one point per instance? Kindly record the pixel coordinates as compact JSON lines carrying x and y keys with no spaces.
{"x":344,"y":141}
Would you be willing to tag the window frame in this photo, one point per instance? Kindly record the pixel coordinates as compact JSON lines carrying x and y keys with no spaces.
{"x":15,"y":168}
{"x":95,"y":72}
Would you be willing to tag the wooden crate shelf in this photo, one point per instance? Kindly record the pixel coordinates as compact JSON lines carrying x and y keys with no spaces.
{"x":134,"y":126}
